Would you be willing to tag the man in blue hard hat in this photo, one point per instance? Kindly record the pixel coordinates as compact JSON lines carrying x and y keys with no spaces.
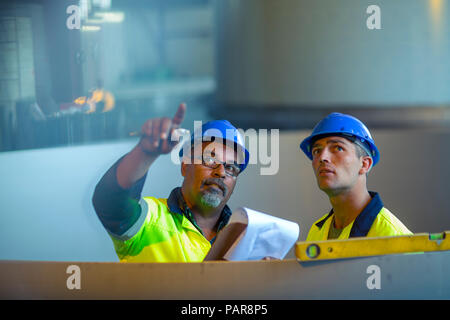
{"x":182,"y":227}
{"x":343,"y":152}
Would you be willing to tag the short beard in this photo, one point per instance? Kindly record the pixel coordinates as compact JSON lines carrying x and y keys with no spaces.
{"x":211,"y":199}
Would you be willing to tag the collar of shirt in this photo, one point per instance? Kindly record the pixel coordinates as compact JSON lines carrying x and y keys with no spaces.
{"x":365,"y":219}
{"x":177,"y":204}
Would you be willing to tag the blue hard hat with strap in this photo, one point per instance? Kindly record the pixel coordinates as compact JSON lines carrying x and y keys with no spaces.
{"x":224,"y":130}
{"x":339,"y":124}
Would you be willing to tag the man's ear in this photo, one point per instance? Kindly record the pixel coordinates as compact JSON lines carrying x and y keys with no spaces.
{"x":366,"y":164}
{"x":183,"y":168}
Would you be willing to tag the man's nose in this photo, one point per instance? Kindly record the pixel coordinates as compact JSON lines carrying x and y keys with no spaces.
{"x":324,"y":155}
{"x":220,"y":171}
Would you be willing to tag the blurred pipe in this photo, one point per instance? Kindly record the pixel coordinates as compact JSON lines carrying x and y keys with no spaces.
{"x":436,"y":9}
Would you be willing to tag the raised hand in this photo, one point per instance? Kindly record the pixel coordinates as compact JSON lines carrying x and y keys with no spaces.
{"x":156,"y":133}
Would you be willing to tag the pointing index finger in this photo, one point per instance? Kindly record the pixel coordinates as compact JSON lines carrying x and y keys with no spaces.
{"x":179,"y":115}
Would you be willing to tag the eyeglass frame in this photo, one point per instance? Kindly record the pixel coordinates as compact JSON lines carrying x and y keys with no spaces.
{"x":217,"y":163}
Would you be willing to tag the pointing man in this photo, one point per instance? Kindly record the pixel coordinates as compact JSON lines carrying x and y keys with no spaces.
{"x":182,"y":227}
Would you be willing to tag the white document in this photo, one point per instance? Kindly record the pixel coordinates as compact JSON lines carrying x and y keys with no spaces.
{"x":263,"y":236}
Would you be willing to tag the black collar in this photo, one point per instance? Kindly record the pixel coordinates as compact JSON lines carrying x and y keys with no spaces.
{"x":176,"y":204}
{"x":365,"y":219}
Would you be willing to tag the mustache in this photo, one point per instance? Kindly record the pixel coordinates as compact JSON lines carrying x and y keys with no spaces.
{"x":325,"y":167}
{"x":218,"y":182}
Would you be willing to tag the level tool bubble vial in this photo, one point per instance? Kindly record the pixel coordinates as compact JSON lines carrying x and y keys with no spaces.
{"x":313,"y":251}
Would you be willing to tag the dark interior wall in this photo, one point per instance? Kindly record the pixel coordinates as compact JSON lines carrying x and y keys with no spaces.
{"x":54,"y":50}
{"x":288,"y":54}
{"x":63,"y":47}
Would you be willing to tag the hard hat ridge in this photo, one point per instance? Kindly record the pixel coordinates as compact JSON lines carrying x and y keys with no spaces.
{"x":224,"y":130}
{"x":345,"y":125}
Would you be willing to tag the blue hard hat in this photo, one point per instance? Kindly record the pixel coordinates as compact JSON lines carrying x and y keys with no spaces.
{"x":222,"y":129}
{"x":340,"y":124}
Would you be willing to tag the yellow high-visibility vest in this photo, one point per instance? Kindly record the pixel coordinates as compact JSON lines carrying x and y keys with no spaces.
{"x":374,"y":221}
{"x":164,"y":236}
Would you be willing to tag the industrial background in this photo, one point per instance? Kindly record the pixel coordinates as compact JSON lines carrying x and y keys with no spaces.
{"x":69,"y":97}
